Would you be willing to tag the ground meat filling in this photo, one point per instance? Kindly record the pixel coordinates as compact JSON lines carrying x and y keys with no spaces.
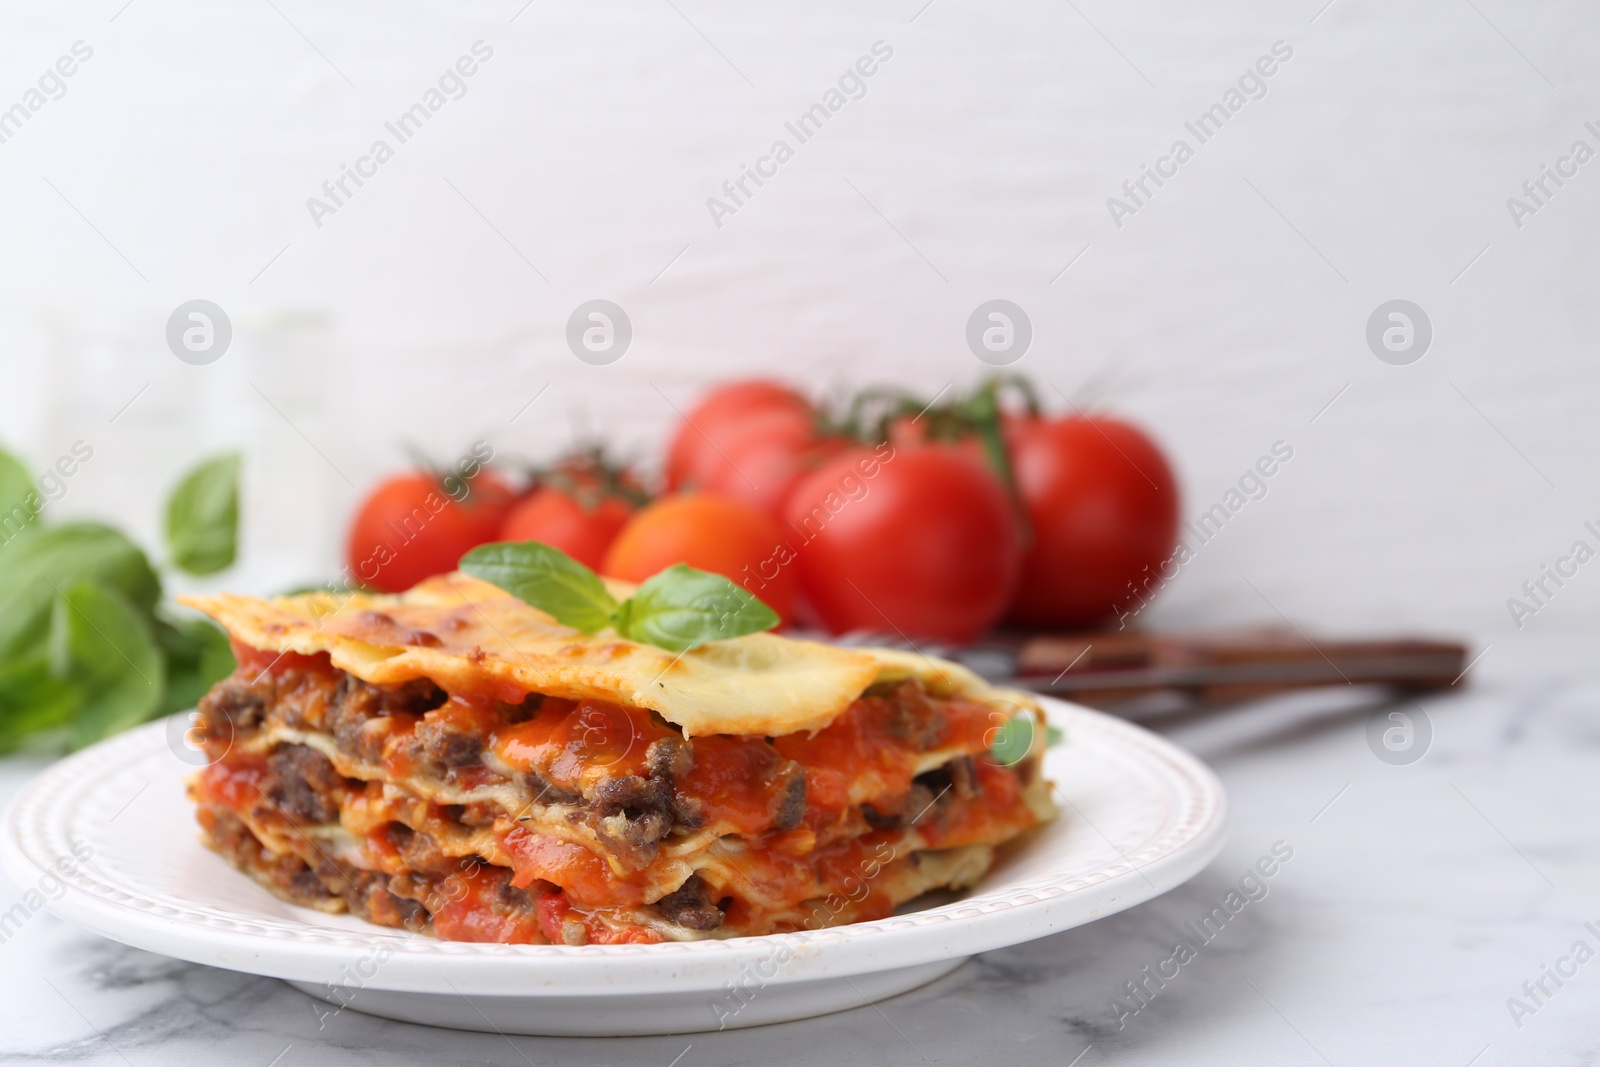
{"x":452,"y":748}
{"x":372,"y":897}
{"x":544,"y":791}
{"x":361,"y":715}
{"x":958,"y":777}
{"x":236,"y":703}
{"x":328,"y":887}
{"x":478,"y":815}
{"x":930,"y":792}
{"x":913,"y":718}
{"x":632,"y":814}
{"x":691,"y":906}
{"x":303,"y":785}
{"x":792,"y":808}
{"x":288,"y":873}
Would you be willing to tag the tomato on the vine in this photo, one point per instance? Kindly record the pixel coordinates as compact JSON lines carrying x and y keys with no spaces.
{"x":713,"y":533}
{"x":563,"y":519}
{"x":577,"y":505}
{"x":751,"y":441}
{"x":415,"y":525}
{"x":723,"y":407}
{"x":919,"y":540}
{"x":1102,"y":504}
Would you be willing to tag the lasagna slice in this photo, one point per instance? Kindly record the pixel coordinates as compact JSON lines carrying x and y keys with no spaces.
{"x":455,"y":762}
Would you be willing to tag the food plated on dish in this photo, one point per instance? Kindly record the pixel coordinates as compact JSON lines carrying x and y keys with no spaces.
{"x":456,"y":761}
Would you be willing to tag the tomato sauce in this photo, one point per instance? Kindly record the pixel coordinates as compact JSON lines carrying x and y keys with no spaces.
{"x":996,"y":806}
{"x":277,"y":663}
{"x":584,"y":875}
{"x":464,"y":715}
{"x":850,"y":876}
{"x":736,"y":780}
{"x":470,"y":916}
{"x":233,"y":782}
{"x":858,"y":743}
{"x":572,"y":741}
{"x":397,"y":758}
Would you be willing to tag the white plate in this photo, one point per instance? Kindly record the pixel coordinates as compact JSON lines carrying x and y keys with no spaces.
{"x":1138,"y":818}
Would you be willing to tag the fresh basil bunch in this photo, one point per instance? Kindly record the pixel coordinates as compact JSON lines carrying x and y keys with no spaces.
{"x":86,"y":647}
{"x":679,"y":609}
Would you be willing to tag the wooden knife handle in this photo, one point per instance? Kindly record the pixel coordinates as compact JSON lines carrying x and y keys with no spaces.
{"x":1228,"y":667}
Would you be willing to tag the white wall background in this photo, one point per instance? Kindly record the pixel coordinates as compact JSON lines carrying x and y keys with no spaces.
{"x":1225,"y":317}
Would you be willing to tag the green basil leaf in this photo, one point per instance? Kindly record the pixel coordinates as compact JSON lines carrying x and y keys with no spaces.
{"x":203,"y":516}
{"x":33,"y":700}
{"x":43,"y":559}
{"x":1012,"y":740}
{"x":546,"y":578}
{"x":198,"y":656}
{"x":683,"y":608}
{"x":105,"y":645}
{"x":19,"y":501}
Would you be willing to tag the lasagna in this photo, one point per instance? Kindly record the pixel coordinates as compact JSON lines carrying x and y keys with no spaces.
{"x":454,"y":762}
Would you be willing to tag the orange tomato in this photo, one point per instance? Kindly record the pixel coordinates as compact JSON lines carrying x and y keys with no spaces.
{"x":716,"y":534}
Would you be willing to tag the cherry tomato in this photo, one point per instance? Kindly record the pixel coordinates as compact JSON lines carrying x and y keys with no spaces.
{"x":582,"y":528}
{"x":750,"y":441}
{"x":409,"y":528}
{"x":717,"y":534}
{"x":1102,"y":504}
{"x":918,"y":540}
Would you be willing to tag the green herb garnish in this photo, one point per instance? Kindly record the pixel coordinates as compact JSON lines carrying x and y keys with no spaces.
{"x":203,"y":516}
{"x":679,"y":609}
{"x":1014,"y":739}
{"x":86,"y":646}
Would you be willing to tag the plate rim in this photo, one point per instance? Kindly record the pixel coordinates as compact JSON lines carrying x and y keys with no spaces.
{"x":290,"y":948}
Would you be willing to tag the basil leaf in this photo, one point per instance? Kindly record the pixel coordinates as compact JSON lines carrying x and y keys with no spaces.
{"x":33,"y":700}
{"x":19,"y":501}
{"x":546,"y":578}
{"x":198,"y":656}
{"x":1012,"y":740}
{"x":43,"y":559}
{"x":683,"y":608}
{"x":103,"y":644}
{"x":203,"y":516}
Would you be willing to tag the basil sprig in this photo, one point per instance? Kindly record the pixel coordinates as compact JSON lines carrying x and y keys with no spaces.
{"x":679,"y":609}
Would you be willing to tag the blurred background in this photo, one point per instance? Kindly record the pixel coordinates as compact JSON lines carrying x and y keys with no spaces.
{"x":1226,"y":311}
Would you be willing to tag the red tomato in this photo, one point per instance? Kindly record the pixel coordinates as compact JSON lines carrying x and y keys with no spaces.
{"x":722,"y":407}
{"x":751,"y":441}
{"x":712,"y":533}
{"x":409,"y":528}
{"x":1103,"y":506}
{"x":919,"y":540}
{"x":582,"y":529}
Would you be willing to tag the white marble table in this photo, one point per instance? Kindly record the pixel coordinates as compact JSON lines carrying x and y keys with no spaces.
{"x":1418,"y":900}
